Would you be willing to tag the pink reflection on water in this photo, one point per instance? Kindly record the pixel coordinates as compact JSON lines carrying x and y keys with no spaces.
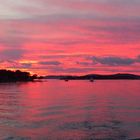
{"x":74,"y":109}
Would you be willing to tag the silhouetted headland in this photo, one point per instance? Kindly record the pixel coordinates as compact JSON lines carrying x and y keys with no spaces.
{"x":15,"y":76}
{"x":118,"y":76}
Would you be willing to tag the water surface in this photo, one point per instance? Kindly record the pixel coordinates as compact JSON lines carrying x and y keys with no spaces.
{"x":74,"y":110}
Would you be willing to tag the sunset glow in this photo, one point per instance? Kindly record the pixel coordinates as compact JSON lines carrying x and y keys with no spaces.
{"x":70,"y":36}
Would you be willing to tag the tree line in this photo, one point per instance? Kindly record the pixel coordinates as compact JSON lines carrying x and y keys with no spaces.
{"x":14,"y":76}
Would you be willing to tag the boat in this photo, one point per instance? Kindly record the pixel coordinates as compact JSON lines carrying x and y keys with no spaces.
{"x":91,"y":80}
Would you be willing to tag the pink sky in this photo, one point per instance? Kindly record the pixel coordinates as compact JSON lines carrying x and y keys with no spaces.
{"x":70,"y":36}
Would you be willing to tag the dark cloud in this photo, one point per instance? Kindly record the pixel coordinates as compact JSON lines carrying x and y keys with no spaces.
{"x":84,"y":63}
{"x":112,"y":60}
{"x":11,"y":54}
{"x":72,"y":70}
{"x":49,"y":63}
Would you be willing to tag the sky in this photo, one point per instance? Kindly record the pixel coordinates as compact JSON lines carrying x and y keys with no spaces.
{"x":70,"y":36}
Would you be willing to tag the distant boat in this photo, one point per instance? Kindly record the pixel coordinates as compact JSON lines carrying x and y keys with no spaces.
{"x":91,"y":80}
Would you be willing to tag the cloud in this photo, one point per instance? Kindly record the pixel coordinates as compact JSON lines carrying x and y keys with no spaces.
{"x":11,"y":54}
{"x":49,"y":63}
{"x":71,"y":70}
{"x":14,"y":64}
{"x":114,"y":60}
{"x":84,"y":63}
{"x":25,"y":65}
{"x":98,"y":7}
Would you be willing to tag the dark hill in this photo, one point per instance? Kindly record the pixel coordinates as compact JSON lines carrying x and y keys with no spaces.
{"x":95,"y":76}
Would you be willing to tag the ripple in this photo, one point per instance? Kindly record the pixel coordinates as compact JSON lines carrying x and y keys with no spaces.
{"x":17,"y":138}
{"x":50,"y":113}
{"x":74,"y":112}
{"x":58,"y":107}
{"x":87,"y":108}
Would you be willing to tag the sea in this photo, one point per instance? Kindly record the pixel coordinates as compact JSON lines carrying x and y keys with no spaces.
{"x":72,"y":110}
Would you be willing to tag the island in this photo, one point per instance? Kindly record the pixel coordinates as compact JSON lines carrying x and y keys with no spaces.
{"x":91,"y":77}
{"x":15,"y":76}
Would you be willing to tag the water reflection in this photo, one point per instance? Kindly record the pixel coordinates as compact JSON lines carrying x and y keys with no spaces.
{"x":103,"y":110}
